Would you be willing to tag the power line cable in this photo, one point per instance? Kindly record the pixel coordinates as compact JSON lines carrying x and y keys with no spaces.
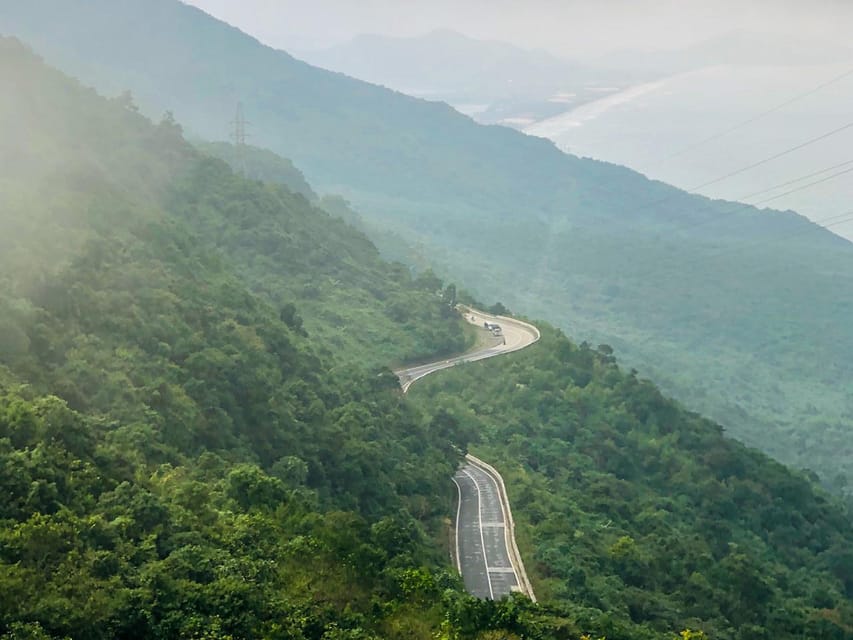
{"x":755,"y":118}
{"x":795,"y":180}
{"x":677,"y":192}
{"x":801,"y":188}
{"x":740,"y":204}
{"x":776,"y":156}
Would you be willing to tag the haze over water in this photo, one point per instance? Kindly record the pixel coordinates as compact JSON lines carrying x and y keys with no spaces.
{"x":651,"y":127}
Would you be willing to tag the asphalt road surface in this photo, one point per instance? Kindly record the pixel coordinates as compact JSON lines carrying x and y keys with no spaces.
{"x":482,"y":544}
{"x":516,"y":334}
{"x":482,"y":556}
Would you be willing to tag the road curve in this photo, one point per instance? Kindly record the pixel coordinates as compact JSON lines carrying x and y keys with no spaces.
{"x":517,"y":335}
{"x":486,"y":553}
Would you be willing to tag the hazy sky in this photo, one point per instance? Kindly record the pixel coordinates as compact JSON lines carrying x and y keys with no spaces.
{"x":574,"y":28}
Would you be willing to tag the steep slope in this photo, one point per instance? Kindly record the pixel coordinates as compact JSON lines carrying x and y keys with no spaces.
{"x":639,"y":518}
{"x":127,"y":284}
{"x":70,"y":144}
{"x":176,"y":457}
{"x":742,"y":313}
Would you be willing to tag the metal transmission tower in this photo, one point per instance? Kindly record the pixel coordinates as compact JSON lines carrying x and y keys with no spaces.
{"x":239,"y":135}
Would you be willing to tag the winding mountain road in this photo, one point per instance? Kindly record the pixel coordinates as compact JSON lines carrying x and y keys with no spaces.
{"x":517,"y":335}
{"x":486,"y":553}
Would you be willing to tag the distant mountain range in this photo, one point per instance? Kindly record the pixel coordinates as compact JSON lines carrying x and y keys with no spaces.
{"x":497,"y":82}
{"x":737,"y":47}
{"x":492,"y":81}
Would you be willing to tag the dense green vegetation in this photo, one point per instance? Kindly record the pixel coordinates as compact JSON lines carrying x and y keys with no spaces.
{"x":742,"y":314}
{"x":179,"y":457}
{"x":259,"y":164}
{"x":308,"y":262}
{"x":79,"y":165}
{"x":639,"y":517}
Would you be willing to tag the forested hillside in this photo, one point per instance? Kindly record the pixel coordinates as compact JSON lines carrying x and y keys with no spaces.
{"x":78,"y":165}
{"x":637,"y":517}
{"x":180,"y":455}
{"x":744,"y":314}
